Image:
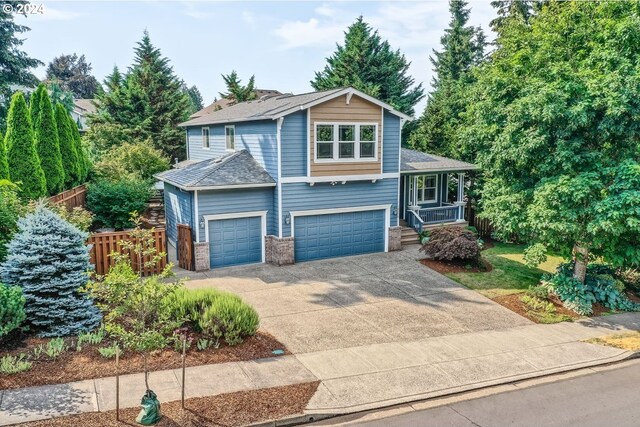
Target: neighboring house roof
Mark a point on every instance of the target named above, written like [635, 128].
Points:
[412, 161]
[280, 106]
[84, 106]
[226, 102]
[235, 170]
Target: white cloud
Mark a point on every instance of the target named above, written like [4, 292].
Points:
[193, 10]
[309, 33]
[325, 10]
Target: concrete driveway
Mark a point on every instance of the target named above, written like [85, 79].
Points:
[358, 300]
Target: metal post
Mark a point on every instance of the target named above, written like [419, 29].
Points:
[117, 383]
[184, 354]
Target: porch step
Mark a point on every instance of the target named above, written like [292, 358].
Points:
[409, 236]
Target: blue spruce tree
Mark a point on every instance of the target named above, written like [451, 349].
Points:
[49, 260]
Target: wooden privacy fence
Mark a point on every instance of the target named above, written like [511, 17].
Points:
[483, 225]
[106, 243]
[185, 247]
[77, 196]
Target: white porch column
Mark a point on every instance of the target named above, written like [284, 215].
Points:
[460, 197]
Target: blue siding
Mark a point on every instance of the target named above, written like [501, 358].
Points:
[294, 144]
[231, 201]
[178, 210]
[258, 137]
[333, 235]
[440, 197]
[390, 143]
[302, 196]
[235, 241]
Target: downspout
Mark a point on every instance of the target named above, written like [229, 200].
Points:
[279, 184]
[195, 212]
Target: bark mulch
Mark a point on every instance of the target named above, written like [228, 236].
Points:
[75, 365]
[513, 303]
[231, 409]
[458, 266]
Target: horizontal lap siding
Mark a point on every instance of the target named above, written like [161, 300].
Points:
[178, 210]
[233, 201]
[337, 110]
[391, 143]
[294, 144]
[257, 137]
[302, 196]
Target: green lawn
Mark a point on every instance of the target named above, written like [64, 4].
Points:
[510, 274]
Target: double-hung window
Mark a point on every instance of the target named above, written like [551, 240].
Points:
[230, 137]
[426, 188]
[205, 137]
[346, 141]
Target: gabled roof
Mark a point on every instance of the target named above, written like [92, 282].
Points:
[412, 161]
[280, 106]
[234, 170]
[226, 102]
[84, 106]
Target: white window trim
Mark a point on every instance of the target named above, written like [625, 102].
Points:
[226, 141]
[336, 142]
[416, 190]
[385, 208]
[208, 146]
[261, 214]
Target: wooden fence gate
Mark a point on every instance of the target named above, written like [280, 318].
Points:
[185, 247]
[103, 244]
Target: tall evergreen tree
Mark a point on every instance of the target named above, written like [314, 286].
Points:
[511, 9]
[22, 157]
[34, 104]
[49, 259]
[462, 49]
[67, 147]
[73, 74]
[15, 64]
[4, 166]
[83, 161]
[149, 101]
[48, 145]
[196, 98]
[369, 64]
[236, 91]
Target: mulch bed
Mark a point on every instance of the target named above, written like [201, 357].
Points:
[513, 303]
[75, 365]
[231, 409]
[457, 266]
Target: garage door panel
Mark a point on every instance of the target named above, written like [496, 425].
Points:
[334, 235]
[235, 241]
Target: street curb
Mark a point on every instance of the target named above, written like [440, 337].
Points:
[337, 412]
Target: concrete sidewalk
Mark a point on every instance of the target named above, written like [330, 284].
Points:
[38, 403]
[355, 378]
[375, 376]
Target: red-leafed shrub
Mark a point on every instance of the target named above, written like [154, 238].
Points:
[450, 243]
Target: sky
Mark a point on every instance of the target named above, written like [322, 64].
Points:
[282, 43]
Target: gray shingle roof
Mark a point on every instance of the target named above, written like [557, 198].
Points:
[258, 109]
[224, 102]
[417, 161]
[235, 169]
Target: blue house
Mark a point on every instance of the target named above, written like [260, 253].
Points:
[290, 178]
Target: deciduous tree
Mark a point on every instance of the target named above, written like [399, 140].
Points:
[73, 74]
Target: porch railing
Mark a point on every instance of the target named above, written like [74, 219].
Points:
[439, 215]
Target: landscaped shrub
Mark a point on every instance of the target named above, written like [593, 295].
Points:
[10, 365]
[10, 210]
[113, 202]
[630, 277]
[11, 309]
[448, 243]
[217, 314]
[600, 286]
[139, 161]
[49, 259]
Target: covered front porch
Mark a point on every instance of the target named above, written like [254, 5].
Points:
[432, 190]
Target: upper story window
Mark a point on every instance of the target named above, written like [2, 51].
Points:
[205, 137]
[346, 141]
[230, 137]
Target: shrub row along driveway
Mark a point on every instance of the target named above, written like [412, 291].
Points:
[366, 299]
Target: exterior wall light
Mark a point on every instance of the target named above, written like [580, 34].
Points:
[287, 219]
[394, 209]
[202, 221]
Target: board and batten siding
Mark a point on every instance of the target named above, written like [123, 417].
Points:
[337, 110]
[258, 137]
[302, 196]
[391, 143]
[178, 210]
[237, 201]
[294, 144]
